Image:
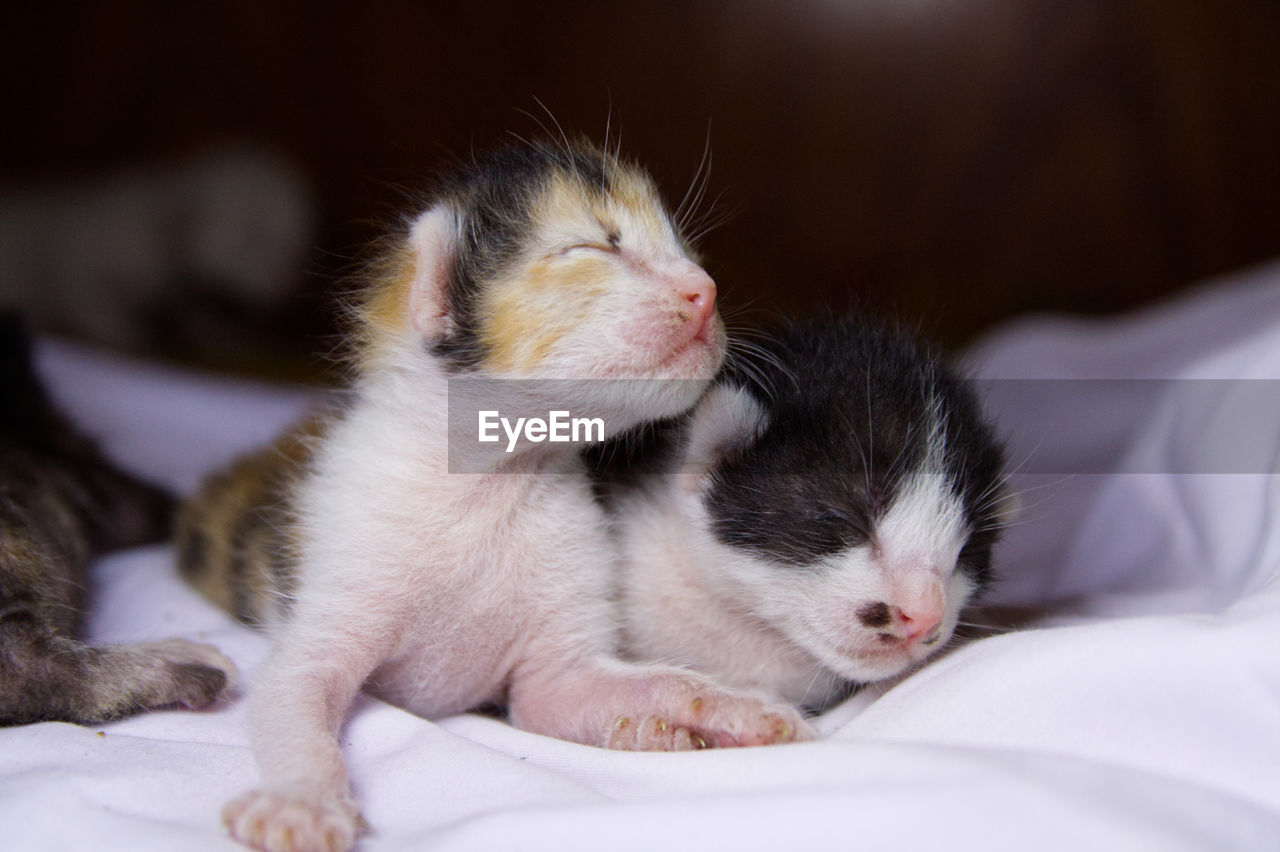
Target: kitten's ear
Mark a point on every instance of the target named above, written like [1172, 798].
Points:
[728, 418]
[431, 245]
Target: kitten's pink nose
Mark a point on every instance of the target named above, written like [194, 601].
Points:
[918, 601]
[918, 621]
[698, 290]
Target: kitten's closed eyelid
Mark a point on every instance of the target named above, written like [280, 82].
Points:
[850, 531]
[835, 516]
[607, 248]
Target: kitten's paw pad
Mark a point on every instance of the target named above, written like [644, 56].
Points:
[653, 733]
[726, 722]
[200, 674]
[779, 725]
[292, 822]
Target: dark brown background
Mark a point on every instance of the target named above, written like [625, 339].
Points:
[947, 162]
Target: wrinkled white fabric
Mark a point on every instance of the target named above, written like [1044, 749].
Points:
[1138, 708]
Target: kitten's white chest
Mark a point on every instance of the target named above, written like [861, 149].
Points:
[474, 566]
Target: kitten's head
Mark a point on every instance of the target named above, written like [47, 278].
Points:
[850, 491]
[552, 262]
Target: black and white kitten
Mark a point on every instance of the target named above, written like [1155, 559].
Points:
[829, 508]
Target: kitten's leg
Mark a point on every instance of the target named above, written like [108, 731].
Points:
[605, 702]
[296, 713]
[45, 673]
[47, 676]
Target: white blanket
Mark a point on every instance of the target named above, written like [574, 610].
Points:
[1140, 709]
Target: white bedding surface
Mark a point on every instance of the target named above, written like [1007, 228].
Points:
[1139, 710]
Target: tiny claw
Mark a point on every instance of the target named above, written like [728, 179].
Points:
[662, 725]
[695, 705]
[621, 723]
[698, 742]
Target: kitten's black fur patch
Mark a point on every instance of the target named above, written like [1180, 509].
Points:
[849, 406]
[875, 615]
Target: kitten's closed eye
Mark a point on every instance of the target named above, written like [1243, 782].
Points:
[837, 524]
[611, 243]
[578, 247]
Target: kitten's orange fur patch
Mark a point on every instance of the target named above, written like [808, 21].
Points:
[385, 310]
[638, 196]
[529, 314]
[387, 306]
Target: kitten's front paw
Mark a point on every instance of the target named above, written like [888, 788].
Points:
[727, 721]
[653, 733]
[197, 674]
[711, 720]
[293, 821]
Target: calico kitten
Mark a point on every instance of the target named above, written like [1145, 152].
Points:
[817, 522]
[548, 273]
[61, 504]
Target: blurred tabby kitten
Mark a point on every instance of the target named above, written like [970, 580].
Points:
[61, 504]
[187, 253]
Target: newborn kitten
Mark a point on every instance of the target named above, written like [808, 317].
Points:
[61, 504]
[827, 511]
[446, 591]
